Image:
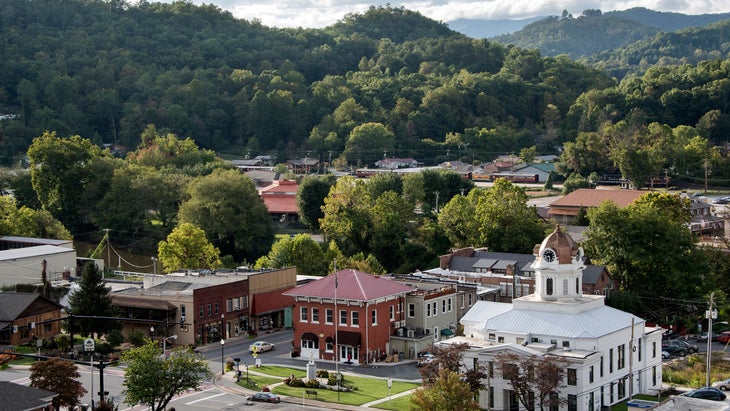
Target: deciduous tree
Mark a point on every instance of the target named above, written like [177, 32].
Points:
[310, 198]
[59, 376]
[187, 247]
[447, 393]
[301, 252]
[534, 375]
[151, 379]
[227, 207]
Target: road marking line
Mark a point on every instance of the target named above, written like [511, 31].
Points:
[206, 398]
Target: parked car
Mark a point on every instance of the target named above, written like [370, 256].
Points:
[674, 349]
[261, 346]
[722, 385]
[691, 348]
[665, 355]
[425, 359]
[724, 337]
[265, 397]
[703, 336]
[706, 393]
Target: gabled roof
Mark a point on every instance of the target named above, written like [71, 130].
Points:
[12, 304]
[18, 397]
[584, 197]
[351, 285]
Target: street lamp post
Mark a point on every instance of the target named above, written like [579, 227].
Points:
[223, 369]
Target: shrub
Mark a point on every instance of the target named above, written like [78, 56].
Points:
[136, 338]
[323, 374]
[229, 363]
[295, 382]
[313, 383]
[115, 338]
[332, 379]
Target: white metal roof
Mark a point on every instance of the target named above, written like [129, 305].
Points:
[503, 317]
[36, 251]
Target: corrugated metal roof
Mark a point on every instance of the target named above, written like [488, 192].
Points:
[351, 285]
[588, 324]
[27, 252]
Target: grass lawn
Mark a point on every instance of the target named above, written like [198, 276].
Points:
[368, 389]
[257, 381]
[396, 404]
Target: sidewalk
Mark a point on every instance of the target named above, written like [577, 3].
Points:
[227, 382]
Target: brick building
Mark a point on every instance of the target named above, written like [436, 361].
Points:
[349, 315]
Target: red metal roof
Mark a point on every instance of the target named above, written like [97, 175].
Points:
[276, 204]
[270, 302]
[351, 285]
[584, 197]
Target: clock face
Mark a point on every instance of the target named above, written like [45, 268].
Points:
[548, 255]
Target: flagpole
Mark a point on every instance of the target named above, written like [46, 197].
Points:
[336, 320]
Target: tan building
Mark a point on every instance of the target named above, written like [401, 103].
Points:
[26, 317]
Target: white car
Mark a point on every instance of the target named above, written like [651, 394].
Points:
[723, 385]
[261, 346]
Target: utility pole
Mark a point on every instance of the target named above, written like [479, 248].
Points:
[710, 314]
[707, 171]
[436, 193]
[108, 250]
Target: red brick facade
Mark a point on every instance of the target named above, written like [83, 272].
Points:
[220, 311]
[357, 327]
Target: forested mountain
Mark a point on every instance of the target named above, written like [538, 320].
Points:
[594, 31]
[106, 69]
[688, 46]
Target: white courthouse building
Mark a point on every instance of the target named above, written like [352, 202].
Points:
[611, 354]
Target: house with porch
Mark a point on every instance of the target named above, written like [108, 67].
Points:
[347, 316]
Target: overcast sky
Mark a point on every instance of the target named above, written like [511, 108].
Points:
[321, 13]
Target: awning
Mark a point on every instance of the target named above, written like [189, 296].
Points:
[446, 331]
[310, 337]
[348, 338]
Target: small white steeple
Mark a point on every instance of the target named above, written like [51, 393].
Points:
[558, 268]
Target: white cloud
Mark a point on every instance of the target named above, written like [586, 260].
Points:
[321, 13]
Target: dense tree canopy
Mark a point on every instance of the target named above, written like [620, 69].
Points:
[227, 207]
[498, 218]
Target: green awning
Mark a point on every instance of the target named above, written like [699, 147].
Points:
[447, 331]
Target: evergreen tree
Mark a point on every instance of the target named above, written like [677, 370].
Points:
[92, 299]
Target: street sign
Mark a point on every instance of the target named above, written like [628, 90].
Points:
[89, 344]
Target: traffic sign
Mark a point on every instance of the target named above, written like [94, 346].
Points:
[89, 344]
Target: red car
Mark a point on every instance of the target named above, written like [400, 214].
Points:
[724, 337]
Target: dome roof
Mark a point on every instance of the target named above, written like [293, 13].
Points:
[564, 246]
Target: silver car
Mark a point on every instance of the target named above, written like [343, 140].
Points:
[722, 385]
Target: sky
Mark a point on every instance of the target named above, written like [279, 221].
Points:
[322, 13]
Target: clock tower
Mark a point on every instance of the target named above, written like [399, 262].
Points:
[558, 268]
